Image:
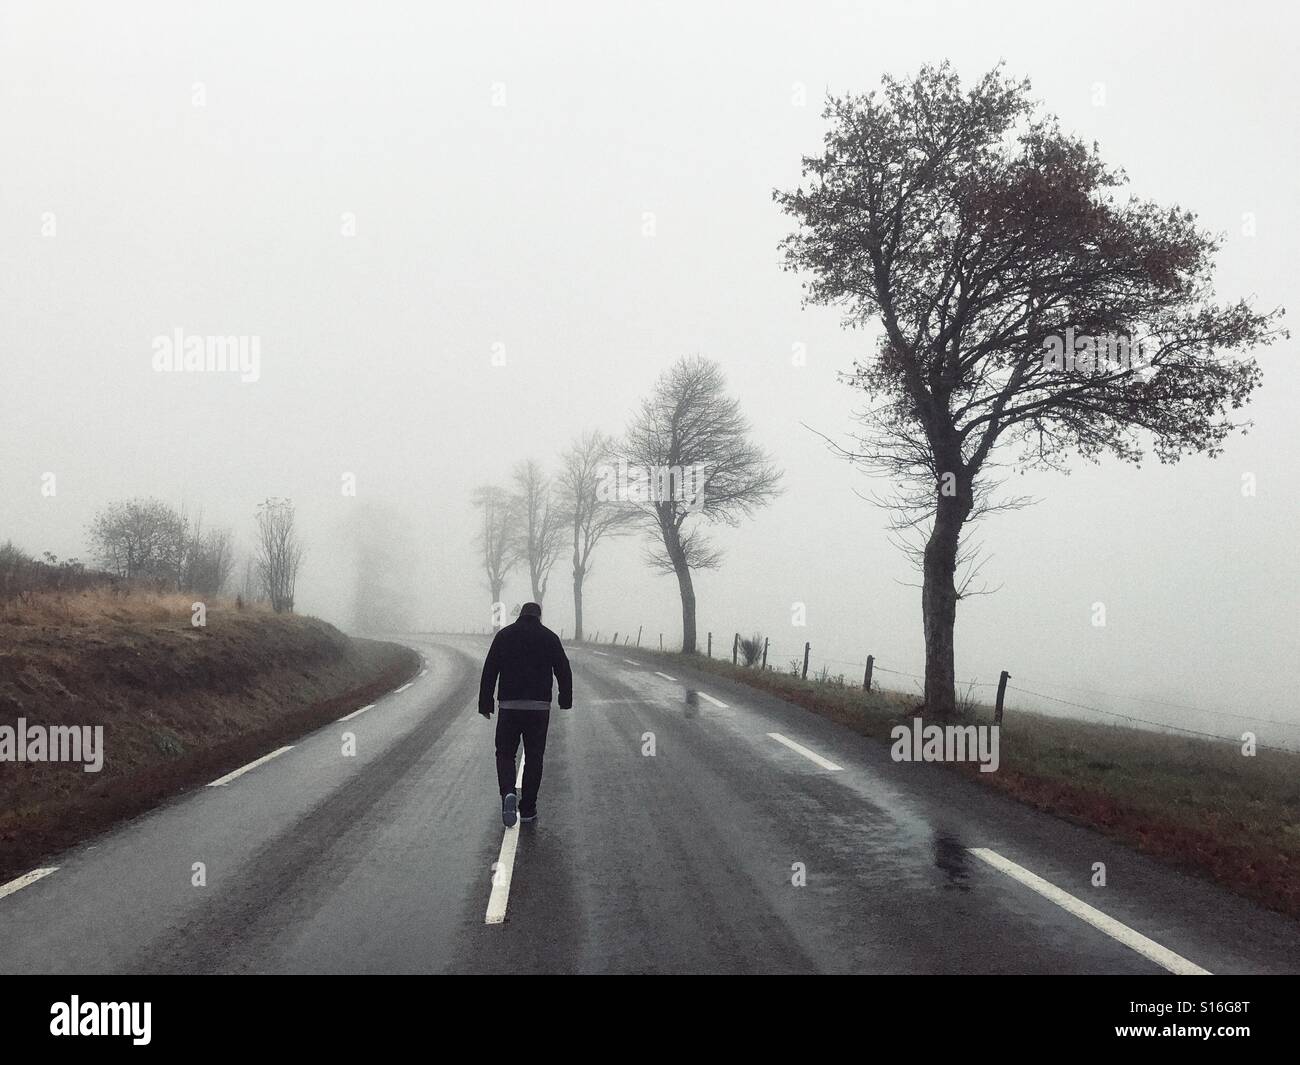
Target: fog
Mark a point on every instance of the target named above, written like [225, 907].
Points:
[389, 195]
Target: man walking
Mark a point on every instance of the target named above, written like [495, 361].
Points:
[523, 655]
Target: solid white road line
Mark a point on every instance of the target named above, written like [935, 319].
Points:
[812, 756]
[715, 702]
[1148, 948]
[423, 672]
[357, 713]
[402, 688]
[505, 867]
[664, 675]
[630, 662]
[251, 765]
[601, 653]
[24, 880]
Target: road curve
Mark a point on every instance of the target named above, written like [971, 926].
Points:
[688, 824]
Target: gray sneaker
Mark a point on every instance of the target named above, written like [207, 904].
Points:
[509, 809]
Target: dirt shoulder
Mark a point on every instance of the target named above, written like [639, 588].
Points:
[179, 705]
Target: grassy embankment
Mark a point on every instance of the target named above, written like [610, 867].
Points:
[1197, 804]
[180, 705]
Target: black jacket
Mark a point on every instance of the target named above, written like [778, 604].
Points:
[524, 655]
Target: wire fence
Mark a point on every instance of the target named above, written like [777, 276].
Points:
[1284, 735]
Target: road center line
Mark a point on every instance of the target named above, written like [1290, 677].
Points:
[710, 698]
[357, 713]
[1148, 948]
[812, 756]
[664, 675]
[25, 880]
[601, 653]
[402, 688]
[222, 781]
[630, 662]
[505, 867]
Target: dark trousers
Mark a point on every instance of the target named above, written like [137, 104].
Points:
[531, 726]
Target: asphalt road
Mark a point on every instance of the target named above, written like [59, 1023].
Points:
[684, 860]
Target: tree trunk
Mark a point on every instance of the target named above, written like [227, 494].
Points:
[673, 548]
[688, 607]
[497, 587]
[577, 604]
[939, 603]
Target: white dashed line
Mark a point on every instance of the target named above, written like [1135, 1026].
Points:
[402, 688]
[423, 672]
[664, 675]
[630, 662]
[24, 880]
[251, 765]
[357, 713]
[1148, 948]
[601, 653]
[505, 867]
[715, 702]
[812, 756]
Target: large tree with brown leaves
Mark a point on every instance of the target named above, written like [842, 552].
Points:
[980, 238]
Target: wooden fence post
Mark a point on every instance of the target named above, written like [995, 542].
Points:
[661, 643]
[806, 648]
[735, 645]
[1002, 691]
[710, 645]
[614, 641]
[638, 634]
[764, 652]
[866, 679]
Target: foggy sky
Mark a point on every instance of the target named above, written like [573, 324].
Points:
[523, 225]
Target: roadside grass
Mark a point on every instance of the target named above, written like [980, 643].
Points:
[1197, 804]
[179, 705]
[94, 606]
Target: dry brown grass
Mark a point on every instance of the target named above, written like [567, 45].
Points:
[179, 705]
[108, 604]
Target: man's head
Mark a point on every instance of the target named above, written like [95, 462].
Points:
[531, 610]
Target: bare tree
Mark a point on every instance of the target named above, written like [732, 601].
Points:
[137, 539]
[540, 525]
[207, 558]
[690, 462]
[279, 552]
[984, 241]
[250, 588]
[496, 538]
[585, 466]
[386, 586]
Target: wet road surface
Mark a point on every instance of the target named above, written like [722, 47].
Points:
[688, 824]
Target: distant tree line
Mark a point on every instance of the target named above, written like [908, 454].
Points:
[685, 461]
[23, 575]
[146, 542]
[149, 541]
